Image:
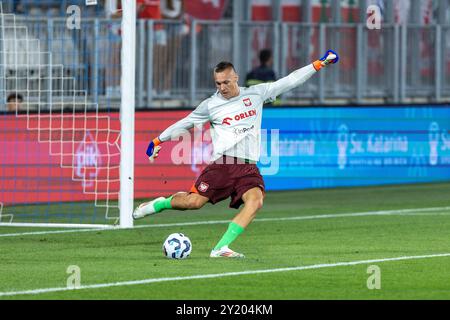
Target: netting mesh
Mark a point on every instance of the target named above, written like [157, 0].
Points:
[82, 142]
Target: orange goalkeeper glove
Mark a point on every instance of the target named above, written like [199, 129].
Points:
[153, 149]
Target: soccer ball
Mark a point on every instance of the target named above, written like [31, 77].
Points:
[177, 246]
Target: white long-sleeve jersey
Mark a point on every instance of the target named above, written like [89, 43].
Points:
[236, 122]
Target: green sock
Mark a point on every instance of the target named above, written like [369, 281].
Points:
[233, 231]
[163, 204]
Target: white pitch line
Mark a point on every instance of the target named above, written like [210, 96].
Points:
[217, 275]
[197, 223]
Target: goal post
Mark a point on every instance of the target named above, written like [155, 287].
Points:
[126, 200]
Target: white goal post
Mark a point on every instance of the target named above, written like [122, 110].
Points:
[127, 113]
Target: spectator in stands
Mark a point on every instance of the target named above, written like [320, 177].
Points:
[18, 7]
[165, 48]
[145, 9]
[264, 72]
[151, 9]
[172, 10]
[14, 102]
[112, 49]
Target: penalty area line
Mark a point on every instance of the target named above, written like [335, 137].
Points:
[218, 275]
[197, 223]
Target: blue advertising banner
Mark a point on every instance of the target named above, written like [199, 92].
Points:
[354, 146]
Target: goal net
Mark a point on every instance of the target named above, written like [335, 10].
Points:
[60, 125]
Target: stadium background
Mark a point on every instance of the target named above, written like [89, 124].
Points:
[378, 117]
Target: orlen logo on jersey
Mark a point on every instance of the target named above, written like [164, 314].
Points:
[244, 115]
[226, 121]
[240, 116]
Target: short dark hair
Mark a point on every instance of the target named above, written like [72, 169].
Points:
[14, 96]
[265, 55]
[224, 65]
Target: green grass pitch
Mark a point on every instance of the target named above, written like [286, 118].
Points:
[40, 261]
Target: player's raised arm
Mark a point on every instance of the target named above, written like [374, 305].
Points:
[197, 117]
[298, 77]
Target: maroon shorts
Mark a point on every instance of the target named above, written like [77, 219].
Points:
[226, 178]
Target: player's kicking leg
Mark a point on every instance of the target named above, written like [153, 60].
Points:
[253, 201]
[178, 201]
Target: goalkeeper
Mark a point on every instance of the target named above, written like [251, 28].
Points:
[235, 115]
